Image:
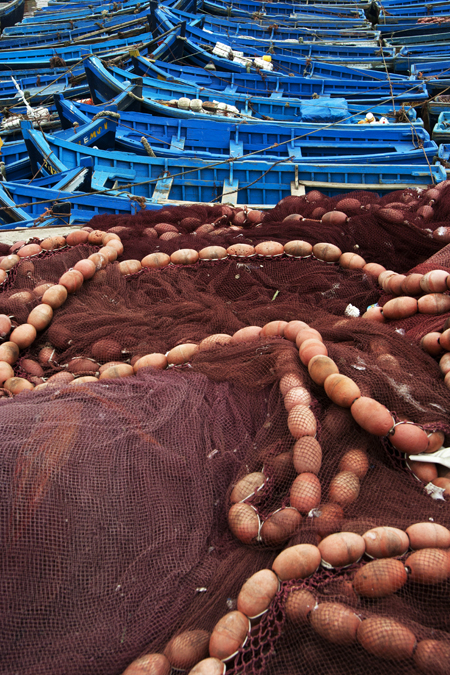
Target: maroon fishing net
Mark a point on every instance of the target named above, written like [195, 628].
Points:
[115, 495]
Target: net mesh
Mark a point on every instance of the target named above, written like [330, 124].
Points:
[115, 495]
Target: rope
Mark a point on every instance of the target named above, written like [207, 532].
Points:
[388, 77]
[44, 216]
[148, 147]
[420, 145]
[106, 113]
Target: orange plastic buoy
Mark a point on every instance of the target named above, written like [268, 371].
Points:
[386, 639]
[372, 416]
[244, 522]
[257, 593]
[335, 622]
[150, 664]
[182, 353]
[320, 366]
[297, 562]
[341, 389]
[228, 635]
[409, 438]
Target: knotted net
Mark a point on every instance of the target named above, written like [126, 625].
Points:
[115, 495]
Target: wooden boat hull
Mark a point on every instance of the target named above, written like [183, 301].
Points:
[49, 27]
[167, 137]
[37, 58]
[199, 46]
[100, 133]
[237, 181]
[67, 208]
[441, 130]
[339, 53]
[269, 31]
[11, 13]
[89, 34]
[271, 85]
[158, 97]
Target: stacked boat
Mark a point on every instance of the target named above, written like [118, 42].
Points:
[112, 107]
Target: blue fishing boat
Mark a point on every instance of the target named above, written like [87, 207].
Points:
[200, 46]
[336, 53]
[14, 154]
[52, 14]
[15, 157]
[37, 58]
[89, 23]
[408, 119]
[435, 74]
[64, 79]
[86, 35]
[439, 69]
[415, 57]
[174, 138]
[434, 107]
[51, 6]
[34, 59]
[412, 3]
[441, 130]
[29, 78]
[413, 10]
[189, 102]
[267, 31]
[399, 28]
[425, 38]
[339, 55]
[22, 204]
[46, 118]
[279, 86]
[10, 125]
[93, 11]
[444, 157]
[68, 4]
[11, 13]
[341, 11]
[248, 8]
[238, 181]
[42, 95]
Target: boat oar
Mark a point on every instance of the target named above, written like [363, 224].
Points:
[145, 44]
[110, 29]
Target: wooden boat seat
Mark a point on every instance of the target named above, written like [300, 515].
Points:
[101, 178]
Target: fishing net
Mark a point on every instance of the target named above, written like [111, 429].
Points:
[115, 495]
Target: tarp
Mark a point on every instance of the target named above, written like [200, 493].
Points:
[324, 110]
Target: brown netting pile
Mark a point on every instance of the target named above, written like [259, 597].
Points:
[115, 495]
